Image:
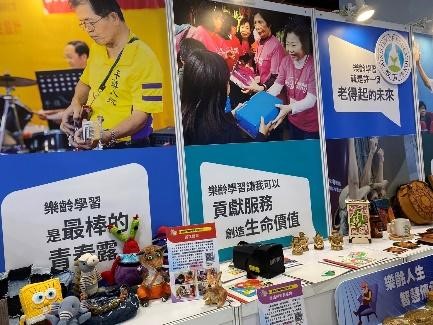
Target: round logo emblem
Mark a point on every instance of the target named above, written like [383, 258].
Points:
[393, 58]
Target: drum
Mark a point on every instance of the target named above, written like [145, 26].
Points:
[10, 145]
[49, 141]
[24, 115]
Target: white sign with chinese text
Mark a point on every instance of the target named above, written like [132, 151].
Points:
[53, 224]
[254, 205]
[357, 84]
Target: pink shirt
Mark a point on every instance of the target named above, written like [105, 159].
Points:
[298, 83]
[268, 57]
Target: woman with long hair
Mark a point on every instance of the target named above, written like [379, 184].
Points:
[204, 98]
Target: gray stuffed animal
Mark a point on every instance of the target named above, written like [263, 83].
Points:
[68, 312]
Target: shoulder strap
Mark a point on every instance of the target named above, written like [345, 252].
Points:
[102, 86]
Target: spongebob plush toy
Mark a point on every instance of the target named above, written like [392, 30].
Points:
[36, 299]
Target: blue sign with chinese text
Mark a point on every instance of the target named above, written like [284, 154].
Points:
[357, 100]
[391, 292]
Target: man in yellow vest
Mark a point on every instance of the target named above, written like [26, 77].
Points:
[122, 81]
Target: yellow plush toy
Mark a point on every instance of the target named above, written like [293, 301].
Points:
[36, 299]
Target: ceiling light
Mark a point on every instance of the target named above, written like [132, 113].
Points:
[364, 12]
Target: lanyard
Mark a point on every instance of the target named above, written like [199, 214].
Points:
[104, 82]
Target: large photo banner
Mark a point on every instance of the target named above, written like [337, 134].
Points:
[423, 56]
[87, 140]
[382, 295]
[250, 121]
[369, 115]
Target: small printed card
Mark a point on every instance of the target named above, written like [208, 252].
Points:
[316, 272]
[230, 273]
[282, 304]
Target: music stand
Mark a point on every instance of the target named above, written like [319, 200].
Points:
[56, 87]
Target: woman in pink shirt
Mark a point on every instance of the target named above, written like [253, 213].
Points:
[268, 56]
[296, 72]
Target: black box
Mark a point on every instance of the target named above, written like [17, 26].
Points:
[265, 260]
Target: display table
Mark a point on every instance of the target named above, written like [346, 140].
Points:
[193, 312]
[319, 297]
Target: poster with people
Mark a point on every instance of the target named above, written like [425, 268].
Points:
[85, 63]
[369, 114]
[85, 174]
[369, 168]
[423, 55]
[250, 122]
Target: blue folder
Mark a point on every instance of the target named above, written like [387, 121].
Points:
[261, 104]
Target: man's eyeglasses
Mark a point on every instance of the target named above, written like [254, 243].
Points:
[89, 25]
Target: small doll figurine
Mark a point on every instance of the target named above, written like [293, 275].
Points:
[215, 294]
[304, 241]
[87, 276]
[318, 242]
[155, 283]
[336, 240]
[297, 246]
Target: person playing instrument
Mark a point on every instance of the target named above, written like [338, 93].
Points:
[122, 82]
[76, 54]
[367, 296]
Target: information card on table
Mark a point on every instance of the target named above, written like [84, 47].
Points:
[193, 260]
[282, 304]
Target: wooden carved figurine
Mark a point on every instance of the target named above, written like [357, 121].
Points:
[336, 240]
[297, 246]
[358, 216]
[304, 241]
[318, 242]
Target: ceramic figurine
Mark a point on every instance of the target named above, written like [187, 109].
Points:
[215, 294]
[304, 241]
[336, 240]
[318, 242]
[297, 246]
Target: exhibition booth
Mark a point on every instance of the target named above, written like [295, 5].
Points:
[213, 162]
